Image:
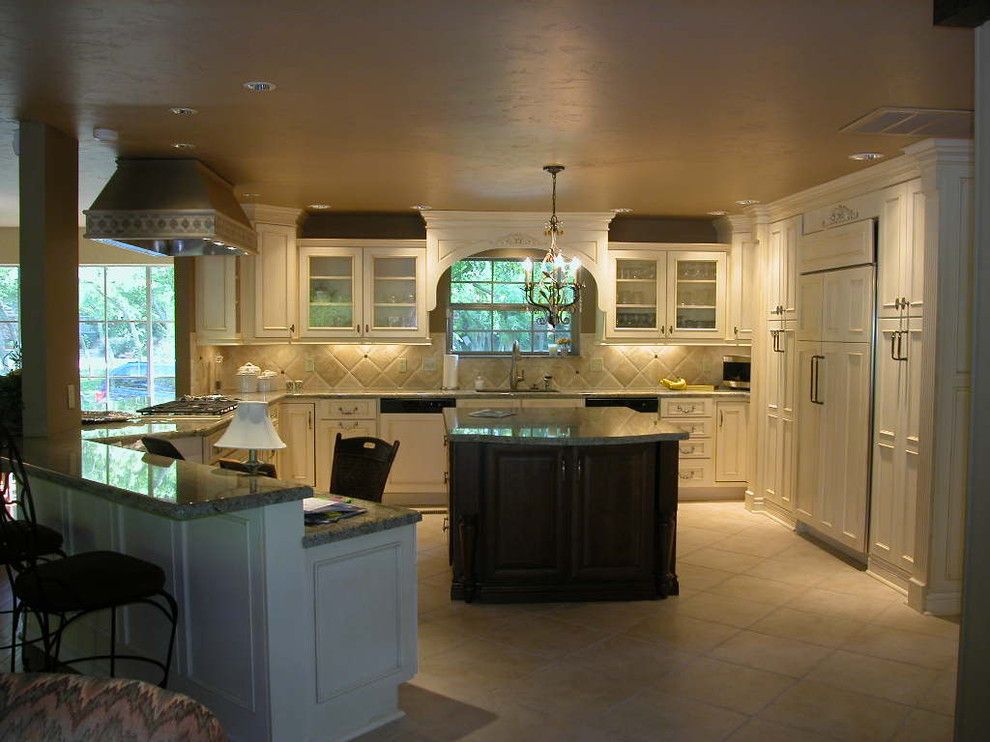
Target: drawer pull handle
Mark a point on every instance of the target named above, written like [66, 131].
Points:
[685, 475]
[352, 411]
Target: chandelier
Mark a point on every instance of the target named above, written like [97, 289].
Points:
[551, 285]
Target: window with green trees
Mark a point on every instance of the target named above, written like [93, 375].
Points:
[488, 311]
[126, 333]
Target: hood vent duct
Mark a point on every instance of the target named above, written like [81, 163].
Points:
[175, 208]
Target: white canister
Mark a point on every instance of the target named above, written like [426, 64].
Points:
[247, 378]
[266, 381]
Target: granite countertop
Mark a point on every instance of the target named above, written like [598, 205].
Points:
[273, 397]
[179, 490]
[160, 427]
[378, 518]
[561, 426]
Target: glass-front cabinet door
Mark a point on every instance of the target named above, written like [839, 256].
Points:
[695, 295]
[394, 303]
[638, 283]
[330, 299]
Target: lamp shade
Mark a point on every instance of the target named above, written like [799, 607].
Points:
[250, 428]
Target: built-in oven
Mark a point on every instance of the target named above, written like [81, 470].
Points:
[735, 372]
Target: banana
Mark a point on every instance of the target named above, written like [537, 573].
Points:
[674, 384]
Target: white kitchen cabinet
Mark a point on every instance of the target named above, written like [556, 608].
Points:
[217, 304]
[658, 295]
[731, 441]
[326, 439]
[901, 251]
[297, 462]
[781, 272]
[743, 302]
[777, 448]
[896, 444]
[273, 276]
[372, 289]
[419, 472]
[834, 439]
[837, 306]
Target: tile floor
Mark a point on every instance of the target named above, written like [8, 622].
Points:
[771, 638]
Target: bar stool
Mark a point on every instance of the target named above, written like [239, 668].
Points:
[161, 447]
[361, 466]
[64, 590]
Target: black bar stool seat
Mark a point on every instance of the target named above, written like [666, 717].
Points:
[87, 582]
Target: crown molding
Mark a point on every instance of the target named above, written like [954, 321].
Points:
[266, 214]
[515, 219]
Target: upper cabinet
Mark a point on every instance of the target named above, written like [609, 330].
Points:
[217, 306]
[781, 276]
[362, 288]
[662, 294]
[273, 276]
[901, 251]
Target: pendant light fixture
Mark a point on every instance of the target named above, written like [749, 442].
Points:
[548, 285]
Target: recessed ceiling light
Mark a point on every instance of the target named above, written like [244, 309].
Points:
[105, 135]
[717, 212]
[183, 111]
[622, 210]
[318, 207]
[184, 145]
[259, 86]
[747, 201]
[866, 156]
[421, 207]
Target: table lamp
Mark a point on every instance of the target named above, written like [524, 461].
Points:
[251, 429]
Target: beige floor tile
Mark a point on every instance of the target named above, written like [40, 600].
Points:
[625, 658]
[837, 713]
[725, 609]
[895, 681]
[726, 561]
[843, 605]
[904, 646]
[682, 632]
[925, 726]
[724, 684]
[608, 617]
[757, 730]
[900, 616]
[781, 571]
[478, 665]
[760, 543]
[827, 631]
[941, 696]
[690, 538]
[435, 637]
[759, 589]
[541, 635]
[774, 653]
[693, 577]
[855, 582]
[653, 715]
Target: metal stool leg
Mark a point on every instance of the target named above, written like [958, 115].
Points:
[113, 642]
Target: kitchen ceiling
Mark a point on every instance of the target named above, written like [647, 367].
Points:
[673, 108]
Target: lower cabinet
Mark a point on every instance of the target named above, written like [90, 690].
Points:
[419, 472]
[297, 461]
[712, 462]
[731, 436]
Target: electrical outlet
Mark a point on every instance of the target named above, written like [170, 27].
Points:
[430, 364]
[403, 365]
[310, 364]
[596, 366]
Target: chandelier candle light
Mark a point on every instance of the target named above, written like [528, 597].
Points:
[549, 289]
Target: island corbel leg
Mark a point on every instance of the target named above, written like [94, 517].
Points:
[666, 576]
[468, 532]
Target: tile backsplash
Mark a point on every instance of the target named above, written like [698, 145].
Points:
[378, 366]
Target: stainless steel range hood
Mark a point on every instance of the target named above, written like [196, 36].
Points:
[170, 207]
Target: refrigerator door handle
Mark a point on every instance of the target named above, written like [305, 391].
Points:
[900, 340]
[894, 339]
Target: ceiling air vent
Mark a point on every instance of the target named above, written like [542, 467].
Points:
[914, 122]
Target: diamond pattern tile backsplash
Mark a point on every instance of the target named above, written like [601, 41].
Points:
[378, 366]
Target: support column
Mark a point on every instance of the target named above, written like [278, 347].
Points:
[49, 268]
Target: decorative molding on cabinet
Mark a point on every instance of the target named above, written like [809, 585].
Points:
[265, 214]
[840, 214]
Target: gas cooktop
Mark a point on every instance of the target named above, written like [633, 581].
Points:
[211, 404]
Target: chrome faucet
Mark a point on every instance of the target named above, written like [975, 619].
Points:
[516, 374]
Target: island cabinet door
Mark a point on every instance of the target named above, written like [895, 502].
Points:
[613, 513]
[524, 511]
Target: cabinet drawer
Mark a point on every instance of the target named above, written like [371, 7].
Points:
[695, 449]
[701, 428]
[695, 472]
[343, 409]
[690, 407]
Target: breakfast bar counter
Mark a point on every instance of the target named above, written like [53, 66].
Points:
[286, 632]
[562, 504]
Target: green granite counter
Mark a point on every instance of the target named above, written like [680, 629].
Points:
[563, 427]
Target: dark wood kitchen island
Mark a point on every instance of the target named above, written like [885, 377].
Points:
[562, 504]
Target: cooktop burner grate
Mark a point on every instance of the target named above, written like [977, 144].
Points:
[213, 404]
